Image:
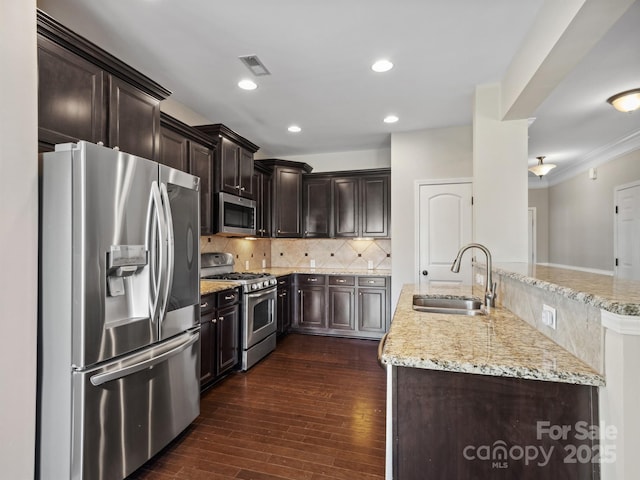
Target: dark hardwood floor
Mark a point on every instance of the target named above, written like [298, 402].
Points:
[312, 410]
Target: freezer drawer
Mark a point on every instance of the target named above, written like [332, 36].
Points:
[127, 411]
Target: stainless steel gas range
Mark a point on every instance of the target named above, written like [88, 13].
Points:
[258, 307]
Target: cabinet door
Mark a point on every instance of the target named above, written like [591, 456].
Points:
[316, 202]
[374, 209]
[312, 309]
[372, 309]
[134, 120]
[174, 150]
[227, 338]
[262, 191]
[201, 165]
[287, 192]
[342, 309]
[207, 345]
[229, 160]
[245, 174]
[345, 207]
[283, 311]
[71, 101]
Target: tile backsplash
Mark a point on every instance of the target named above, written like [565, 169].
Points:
[294, 252]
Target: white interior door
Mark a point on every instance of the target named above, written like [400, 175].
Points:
[444, 227]
[627, 231]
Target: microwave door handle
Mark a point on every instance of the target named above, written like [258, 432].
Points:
[158, 355]
[169, 246]
[155, 226]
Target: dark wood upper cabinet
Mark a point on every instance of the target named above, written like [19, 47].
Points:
[174, 149]
[317, 211]
[134, 120]
[233, 161]
[71, 102]
[85, 93]
[347, 204]
[187, 148]
[375, 206]
[286, 196]
[262, 190]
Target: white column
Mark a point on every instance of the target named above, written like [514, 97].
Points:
[499, 178]
[619, 411]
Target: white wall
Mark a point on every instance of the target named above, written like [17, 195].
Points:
[339, 161]
[183, 113]
[18, 236]
[499, 178]
[442, 153]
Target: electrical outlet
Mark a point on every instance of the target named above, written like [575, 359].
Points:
[312, 263]
[479, 279]
[549, 316]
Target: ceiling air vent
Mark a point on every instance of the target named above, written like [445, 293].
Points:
[254, 64]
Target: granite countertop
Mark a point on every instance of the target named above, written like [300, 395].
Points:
[212, 286]
[607, 292]
[497, 344]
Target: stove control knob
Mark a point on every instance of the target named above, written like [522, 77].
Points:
[273, 281]
[254, 286]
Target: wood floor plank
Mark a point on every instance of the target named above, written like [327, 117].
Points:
[314, 409]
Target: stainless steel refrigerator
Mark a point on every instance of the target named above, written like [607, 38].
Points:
[119, 344]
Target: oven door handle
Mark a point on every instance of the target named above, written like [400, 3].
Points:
[262, 293]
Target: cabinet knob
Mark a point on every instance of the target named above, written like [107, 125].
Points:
[242, 189]
[278, 230]
[221, 319]
[116, 148]
[237, 187]
[213, 320]
[101, 143]
[425, 272]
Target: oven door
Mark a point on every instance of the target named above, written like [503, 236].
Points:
[260, 315]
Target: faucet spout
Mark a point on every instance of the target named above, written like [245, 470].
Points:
[490, 290]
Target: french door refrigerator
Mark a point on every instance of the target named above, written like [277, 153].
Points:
[119, 349]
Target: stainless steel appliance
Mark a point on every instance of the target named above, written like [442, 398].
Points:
[258, 307]
[119, 323]
[236, 215]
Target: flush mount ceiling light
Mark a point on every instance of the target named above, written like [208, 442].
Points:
[247, 84]
[542, 168]
[382, 66]
[294, 129]
[390, 119]
[626, 101]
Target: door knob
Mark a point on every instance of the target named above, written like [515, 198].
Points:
[425, 272]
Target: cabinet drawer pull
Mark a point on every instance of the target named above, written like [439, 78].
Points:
[204, 305]
[371, 281]
[229, 297]
[340, 280]
[312, 279]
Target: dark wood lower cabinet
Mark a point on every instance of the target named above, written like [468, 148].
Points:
[219, 335]
[464, 426]
[283, 304]
[342, 305]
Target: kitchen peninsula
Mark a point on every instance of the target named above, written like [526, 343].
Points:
[502, 379]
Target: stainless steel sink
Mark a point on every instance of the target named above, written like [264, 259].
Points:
[453, 306]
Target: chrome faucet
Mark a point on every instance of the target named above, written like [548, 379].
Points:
[490, 291]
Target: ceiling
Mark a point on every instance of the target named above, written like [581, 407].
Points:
[319, 55]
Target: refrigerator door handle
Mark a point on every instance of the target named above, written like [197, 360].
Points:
[168, 271]
[146, 360]
[155, 225]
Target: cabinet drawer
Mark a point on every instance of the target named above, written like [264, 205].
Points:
[372, 281]
[306, 279]
[207, 304]
[228, 297]
[342, 280]
[283, 282]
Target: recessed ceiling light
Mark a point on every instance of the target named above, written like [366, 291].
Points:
[391, 119]
[382, 66]
[294, 129]
[247, 84]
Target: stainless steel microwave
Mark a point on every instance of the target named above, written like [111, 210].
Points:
[236, 215]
